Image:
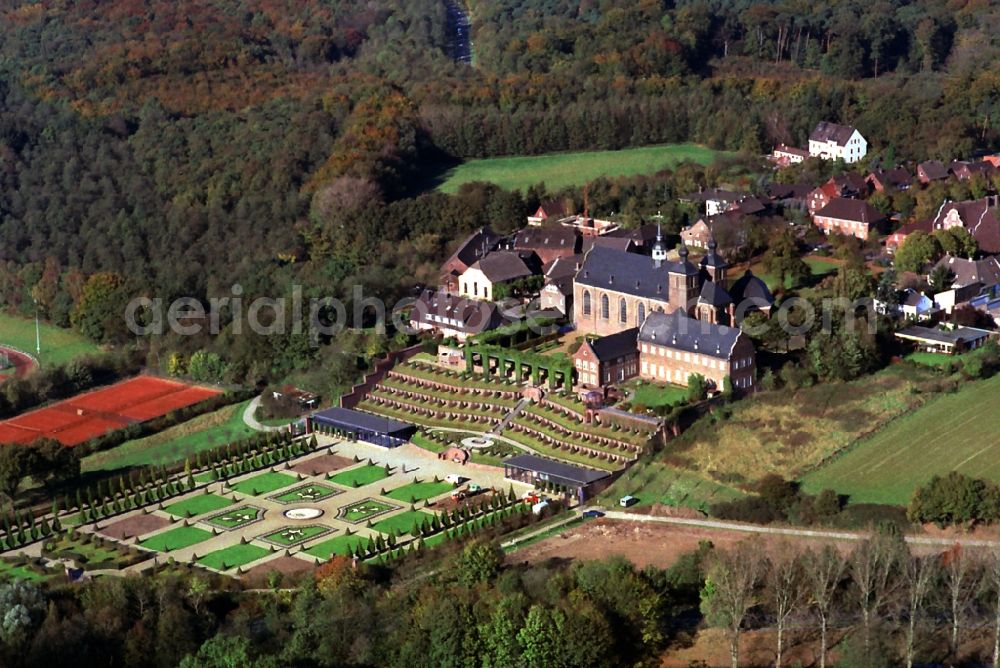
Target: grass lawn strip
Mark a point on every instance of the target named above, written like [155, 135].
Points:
[341, 545]
[364, 510]
[422, 420]
[451, 395]
[264, 483]
[294, 535]
[471, 382]
[419, 491]
[654, 395]
[360, 476]
[403, 523]
[198, 505]
[306, 494]
[555, 453]
[175, 539]
[233, 556]
[236, 518]
[59, 345]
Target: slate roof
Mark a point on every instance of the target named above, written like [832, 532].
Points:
[547, 236]
[712, 257]
[471, 248]
[613, 346]
[629, 273]
[457, 312]
[714, 295]
[752, 287]
[681, 332]
[713, 194]
[893, 178]
[967, 272]
[500, 266]
[826, 131]
[359, 420]
[549, 467]
[844, 208]
[563, 267]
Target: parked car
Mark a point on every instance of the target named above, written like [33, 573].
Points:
[593, 513]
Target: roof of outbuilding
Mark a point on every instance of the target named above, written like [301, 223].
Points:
[749, 286]
[360, 420]
[473, 315]
[502, 266]
[547, 236]
[967, 272]
[550, 467]
[682, 332]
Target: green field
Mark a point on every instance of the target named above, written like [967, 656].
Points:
[306, 493]
[558, 170]
[655, 483]
[653, 395]
[363, 510]
[932, 359]
[405, 522]
[176, 539]
[418, 491]
[289, 536]
[265, 483]
[176, 443]
[198, 505]
[952, 432]
[58, 345]
[342, 545]
[358, 477]
[233, 556]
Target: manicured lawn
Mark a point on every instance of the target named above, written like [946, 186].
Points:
[342, 545]
[176, 443]
[558, 170]
[198, 505]
[265, 483]
[363, 510]
[418, 491]
[405, 522]
[952, 432]
[360, 476]
[58, 345]
[288, 536]
[233, 556]
[176, 539]
[654, 395]
[236, 517]
[9, 571]
[306, 493]
[932, 359]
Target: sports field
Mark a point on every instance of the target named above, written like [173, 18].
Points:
[953, 432]
[176, 539]
[176, 443]
[58, 345]
[558, 170]
[363, 475]
[233, 556]
[418, 491]
[198, 505]
[264, 483]
[405, 522]
[98, 412]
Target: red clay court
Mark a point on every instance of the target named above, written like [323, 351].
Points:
[95, 413]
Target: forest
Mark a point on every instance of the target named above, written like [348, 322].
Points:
[178, 148]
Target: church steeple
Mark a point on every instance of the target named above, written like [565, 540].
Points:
[659, 249]
[713, 264]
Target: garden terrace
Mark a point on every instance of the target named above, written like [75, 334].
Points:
[563, 451]
[456, 405]
[436, 377]
[599, 445]
[577, 426]
[427, 415]
[426, 390]
[568, 405]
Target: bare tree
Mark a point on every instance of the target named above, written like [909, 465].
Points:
[824, 572]
[918, 576]
[873, 567]
[785, 587]
[961, 579]
[733, 577]
[993, 581]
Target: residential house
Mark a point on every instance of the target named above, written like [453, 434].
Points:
[788, 155]
[674, 346]
[479, 280]
[832, 141]
[552, 210]
[966, 169]
[889, 179]
[843, 185]
[932, 170]
[451, 315]
[949, 342]
[557, 294]
[911, 305]
[469, 251]
[727, 229]
[896, 239]
[980, 217]
[548, 242]
[851, 217]
[607, 360]
[985, 272]
[789, 194]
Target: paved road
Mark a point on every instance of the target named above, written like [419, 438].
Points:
[250, 417]
[783, 531]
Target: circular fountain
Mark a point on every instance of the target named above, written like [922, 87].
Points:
[303, 513]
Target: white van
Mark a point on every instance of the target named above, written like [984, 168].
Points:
[627, 501]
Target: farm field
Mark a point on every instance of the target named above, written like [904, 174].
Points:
[198, 505]
[59, 345]
[558, 170]
[176, 539]
[952, 432]
[787, 432]
[97, 412]
[198, 434]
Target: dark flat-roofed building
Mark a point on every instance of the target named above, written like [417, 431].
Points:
[945, 341]
[362, 426]
[534, 470]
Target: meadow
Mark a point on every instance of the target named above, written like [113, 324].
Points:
[952, 432]
[59, 345]
[559, 170]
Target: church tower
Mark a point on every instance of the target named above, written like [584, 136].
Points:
[685, 283]
[714, 266]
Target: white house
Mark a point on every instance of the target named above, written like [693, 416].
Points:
[831, 141]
